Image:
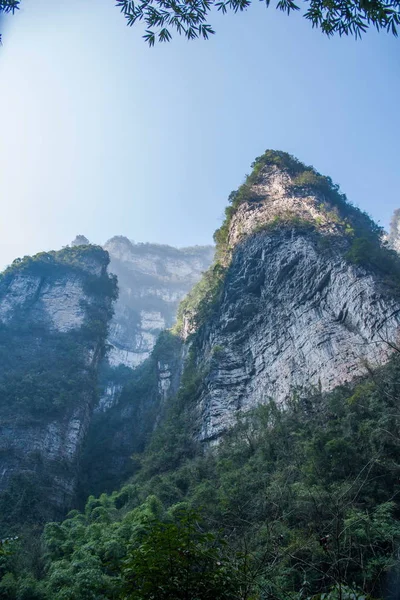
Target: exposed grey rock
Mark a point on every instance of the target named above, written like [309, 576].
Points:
[57, 303]
[292, 316]
[294, 312]
[278, 200]
[109, 397]
[394, 233]
[152, 280]
[40, 311]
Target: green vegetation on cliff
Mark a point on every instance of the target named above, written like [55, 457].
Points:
[198, 305]
[55, 261]
[292, 504]
[304, 180]
[41, 368]
[362, 236]
[48, 377]
[106, 459]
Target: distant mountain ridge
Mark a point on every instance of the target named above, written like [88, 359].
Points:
[152, 279]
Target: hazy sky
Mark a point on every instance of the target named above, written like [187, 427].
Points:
[101, 135]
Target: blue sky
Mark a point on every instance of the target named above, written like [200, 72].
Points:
[101, 135]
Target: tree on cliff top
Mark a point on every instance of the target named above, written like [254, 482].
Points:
[189, 17]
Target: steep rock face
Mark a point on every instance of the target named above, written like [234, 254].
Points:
[152, 280]
[292, 316]
[54, 311]
[394, 233]
[296, 309]
[272, 201]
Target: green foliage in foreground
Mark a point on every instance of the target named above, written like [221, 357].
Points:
[149, 553]
[294, 503]
[179, 560]
[344, 18]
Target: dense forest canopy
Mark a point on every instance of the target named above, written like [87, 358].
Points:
[295, 503]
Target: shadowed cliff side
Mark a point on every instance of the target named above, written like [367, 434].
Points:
[124, 429]
[54, 314]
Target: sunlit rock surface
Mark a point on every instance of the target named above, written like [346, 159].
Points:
[294, 313]
[291, 317]
[394, 233]
[152, 280]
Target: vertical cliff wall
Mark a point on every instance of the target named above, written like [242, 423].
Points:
[303, 294]
[54, 313]
[139, 373]
[152, 280]
[394, 231]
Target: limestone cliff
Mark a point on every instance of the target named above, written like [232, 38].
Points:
[303, 295]
[152, 279]
[394, 233]
[54, 312]
[137, 375]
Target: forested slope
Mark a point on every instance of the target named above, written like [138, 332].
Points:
[268, 465]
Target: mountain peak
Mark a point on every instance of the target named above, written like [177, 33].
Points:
[282, 191]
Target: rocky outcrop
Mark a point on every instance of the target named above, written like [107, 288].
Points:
[152, 280]
[295, 312]
[293, 316]
[54, 311]
[394, 232]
